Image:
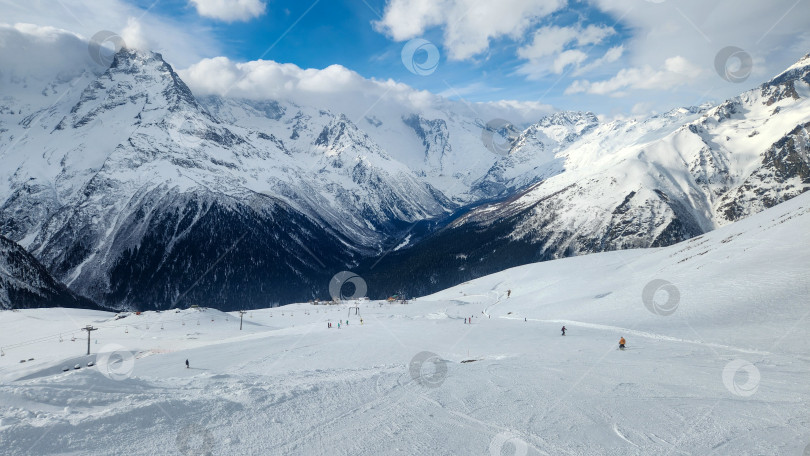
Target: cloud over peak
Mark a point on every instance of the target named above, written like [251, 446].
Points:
[469, 25]
[230, 10]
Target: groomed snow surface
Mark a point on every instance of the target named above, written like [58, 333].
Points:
[717, 362]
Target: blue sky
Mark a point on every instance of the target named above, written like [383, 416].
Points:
[614, 57]
[342, 32]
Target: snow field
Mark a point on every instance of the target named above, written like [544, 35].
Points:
[717, 363]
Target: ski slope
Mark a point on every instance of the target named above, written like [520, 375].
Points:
[718, 362]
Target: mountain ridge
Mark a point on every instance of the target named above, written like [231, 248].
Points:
[136, 160]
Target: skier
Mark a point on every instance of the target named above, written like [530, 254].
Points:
[508, 293]
[563, 330]
[524, 319]
[187, 364]
[621, 343]
[361, 322]
[338, 325]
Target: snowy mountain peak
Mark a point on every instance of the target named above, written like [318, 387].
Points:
[569, 118]
[137, 62]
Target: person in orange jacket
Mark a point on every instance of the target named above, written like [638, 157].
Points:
[621, 343]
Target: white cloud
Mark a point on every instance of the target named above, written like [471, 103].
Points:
[133, 35]
[676, 71]
[565, 58]
[230, 10]
[469, 25]
[50, 53]
[774, 33]
[552, 40]
[554, 48]
[181, 43]
[613, 54]
[336, 88]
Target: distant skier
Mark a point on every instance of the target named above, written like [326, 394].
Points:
[563, 330]
[524, 319]
[508, 293]
[621, 343]
[338, 325]
[187, 364]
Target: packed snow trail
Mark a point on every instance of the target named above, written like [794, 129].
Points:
[725, 373]
[648, 335]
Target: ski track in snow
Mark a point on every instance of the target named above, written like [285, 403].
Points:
[288, 385]
[648, 335]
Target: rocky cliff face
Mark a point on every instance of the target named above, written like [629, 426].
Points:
[26, 283]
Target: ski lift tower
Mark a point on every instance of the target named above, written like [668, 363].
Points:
[355, 307]
[89, 329]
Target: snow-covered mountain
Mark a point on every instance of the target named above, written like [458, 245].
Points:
[629, 184]
[135, 192]
[137, 170]
[25, 283]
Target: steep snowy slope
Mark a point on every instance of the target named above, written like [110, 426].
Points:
[716, 364]
[631, 185]
[102, 213]
[25, 283]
